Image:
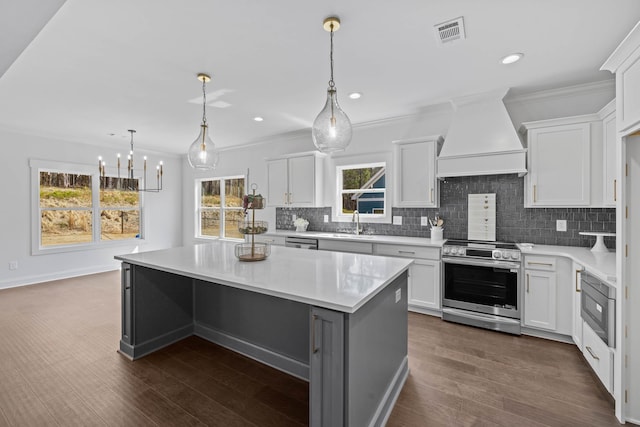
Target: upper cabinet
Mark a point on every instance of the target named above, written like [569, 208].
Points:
[571, 161]
[295, 180]
[415, 183]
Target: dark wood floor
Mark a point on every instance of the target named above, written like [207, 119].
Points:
[59, 366]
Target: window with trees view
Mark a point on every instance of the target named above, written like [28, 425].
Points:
[220, 207]
[362, 188]
[78, 208]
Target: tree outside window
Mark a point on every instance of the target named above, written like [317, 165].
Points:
[220, 207]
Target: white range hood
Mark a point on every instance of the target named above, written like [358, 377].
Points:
[481, 139]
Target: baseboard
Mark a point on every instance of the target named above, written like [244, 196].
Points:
[427, 311]
[278, 361]
[58, 275]
[385, 407]
[141, 350]
[547, 335]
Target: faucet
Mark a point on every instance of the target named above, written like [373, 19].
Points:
[356, 218]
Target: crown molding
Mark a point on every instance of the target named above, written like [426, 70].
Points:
[563, 92]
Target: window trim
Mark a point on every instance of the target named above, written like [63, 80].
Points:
[37, 166]
[338, 216]
[198, 217]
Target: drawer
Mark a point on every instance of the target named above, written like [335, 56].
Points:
[598, 355]
[540, 263]
[408, 251]
[339, 246]
[261, 238]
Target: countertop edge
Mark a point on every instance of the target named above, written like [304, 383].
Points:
[371, 238]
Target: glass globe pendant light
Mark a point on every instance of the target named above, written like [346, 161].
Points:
[202, 153]
[331, 130]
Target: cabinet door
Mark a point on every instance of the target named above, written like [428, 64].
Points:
[277, 189]
[302, 175]
[559, 165]
[540, 299]
[577, 318]
[424, 284]
[326, 368]
[610, 183]
[127, 301]
[415, 183]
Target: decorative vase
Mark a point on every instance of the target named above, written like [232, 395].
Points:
[301, 228]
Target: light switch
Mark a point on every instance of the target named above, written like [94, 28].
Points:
[397, 220]
[326, 218]
[424, 221]
[294, 216]
[398, 294]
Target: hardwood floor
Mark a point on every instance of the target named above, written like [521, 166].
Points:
[59, 366]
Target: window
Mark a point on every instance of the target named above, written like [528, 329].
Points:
[119, 208]
[66, 209]
[362, 188]
[73, 207]
[220, 207]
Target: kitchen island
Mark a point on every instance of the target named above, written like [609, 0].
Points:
[338, 320]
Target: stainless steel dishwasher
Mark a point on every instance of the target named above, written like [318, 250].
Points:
[301, 242]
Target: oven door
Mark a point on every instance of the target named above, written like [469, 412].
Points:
[484, 286]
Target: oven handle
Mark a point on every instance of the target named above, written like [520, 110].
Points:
[481, 263]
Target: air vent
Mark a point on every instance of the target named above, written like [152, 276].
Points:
[450, 31]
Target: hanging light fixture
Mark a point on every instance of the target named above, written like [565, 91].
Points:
[202, 153]
[331, 130]
[132, 185]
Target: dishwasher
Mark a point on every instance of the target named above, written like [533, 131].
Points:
[301, 242]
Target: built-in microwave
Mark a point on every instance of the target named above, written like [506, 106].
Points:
[598, 307]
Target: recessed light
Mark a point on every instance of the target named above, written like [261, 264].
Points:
[511, 58]
[258, 119]
[355, 95]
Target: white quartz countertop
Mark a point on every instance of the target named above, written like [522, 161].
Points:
[600, 264]
[373, 238]
[334, 280]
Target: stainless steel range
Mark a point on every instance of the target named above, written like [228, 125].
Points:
[481, 284]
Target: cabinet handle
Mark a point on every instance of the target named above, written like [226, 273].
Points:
[577, 282]
[290, 198]
[313, 334]
[534, 193]
[539, 263]
[407, 252]
[615, 190]
[432, 195]
[591, 353]
[527, 283]
[284, 198]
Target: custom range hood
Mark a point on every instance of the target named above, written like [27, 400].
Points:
[481, 139]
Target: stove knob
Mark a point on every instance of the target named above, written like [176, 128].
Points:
[514, 255]
[497, 254]
[445, 250]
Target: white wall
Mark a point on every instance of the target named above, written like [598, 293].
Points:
[162, 211]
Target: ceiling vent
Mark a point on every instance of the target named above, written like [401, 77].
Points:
[450, 31]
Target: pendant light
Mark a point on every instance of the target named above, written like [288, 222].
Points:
[202, 153]
[331, 130]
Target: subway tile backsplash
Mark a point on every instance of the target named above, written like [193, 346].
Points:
[514, 223]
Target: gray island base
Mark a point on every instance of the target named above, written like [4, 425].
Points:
[334, 319]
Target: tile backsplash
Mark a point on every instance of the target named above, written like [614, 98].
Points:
[514, 223]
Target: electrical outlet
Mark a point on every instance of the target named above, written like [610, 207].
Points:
[424, 221]
[13, 265]
[326, 218]
[398, 294]
[561, 225]
[293, 217]
[397, 220]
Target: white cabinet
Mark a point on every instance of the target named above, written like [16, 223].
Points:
[599, 356]
[267, 238]
[414, 163]
[540, 299]
[295, 180]
[559, 164]
[424, 275]
[610, 182]
[576, 332]
[345, 246]
[548, 294]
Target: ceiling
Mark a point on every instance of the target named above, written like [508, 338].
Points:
[98, 68]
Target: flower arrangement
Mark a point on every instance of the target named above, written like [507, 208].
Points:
[301, 224]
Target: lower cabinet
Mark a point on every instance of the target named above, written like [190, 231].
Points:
[549, 294]
[577, 318]
[424, 274]
[267, 238]
[598, 355]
